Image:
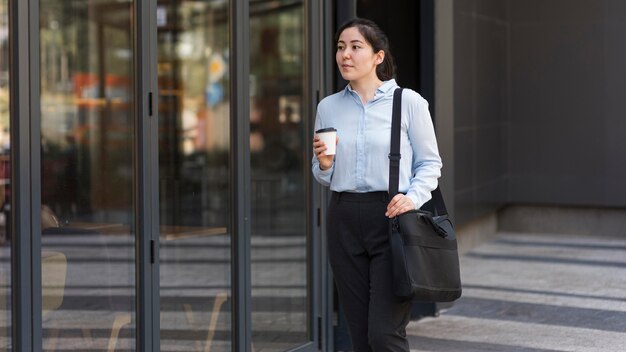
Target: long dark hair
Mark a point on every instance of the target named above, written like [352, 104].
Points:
[377, 39]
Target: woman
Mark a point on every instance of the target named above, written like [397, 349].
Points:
[358, 173]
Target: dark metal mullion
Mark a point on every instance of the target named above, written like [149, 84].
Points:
[144, 201]
[327, 84]
[310, 89]
[151, 61]
[19, 105]
[35, 173]
[239, 32]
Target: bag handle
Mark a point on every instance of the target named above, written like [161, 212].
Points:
[436, 204]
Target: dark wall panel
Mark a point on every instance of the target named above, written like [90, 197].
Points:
[481, 106]
[567, 93]
[615, 126]
[539, 106]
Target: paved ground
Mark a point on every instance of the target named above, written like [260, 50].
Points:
[535, 293]
[521, 293]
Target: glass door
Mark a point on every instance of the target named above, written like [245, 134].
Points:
[88, 173]
[194, 175]
[196, 179]
[280, 241]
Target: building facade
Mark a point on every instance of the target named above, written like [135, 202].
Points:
[154, 155]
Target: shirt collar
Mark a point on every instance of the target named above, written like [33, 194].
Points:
[384, 88]
[387, 86]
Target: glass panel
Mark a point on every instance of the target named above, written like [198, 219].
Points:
[5, 184]
[280, 285]
[194, 174]
[87, 173]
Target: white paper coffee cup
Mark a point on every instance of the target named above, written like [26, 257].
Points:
[329, 137]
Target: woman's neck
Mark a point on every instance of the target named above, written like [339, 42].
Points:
[366, 88]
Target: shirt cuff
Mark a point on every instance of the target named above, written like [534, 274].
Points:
[327, 171]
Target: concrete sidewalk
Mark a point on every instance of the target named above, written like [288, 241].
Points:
[526, 292]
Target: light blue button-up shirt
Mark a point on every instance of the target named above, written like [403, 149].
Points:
[361, 163]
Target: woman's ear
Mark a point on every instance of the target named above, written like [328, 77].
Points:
[380, 57]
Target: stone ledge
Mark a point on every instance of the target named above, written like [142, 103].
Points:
[605, 222]
[475, 232]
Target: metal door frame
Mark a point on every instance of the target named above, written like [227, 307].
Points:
[25, 125]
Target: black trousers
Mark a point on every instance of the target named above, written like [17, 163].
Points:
[359, 252]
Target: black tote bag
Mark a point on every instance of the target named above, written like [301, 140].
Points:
[425, 260]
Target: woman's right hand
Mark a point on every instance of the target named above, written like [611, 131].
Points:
[319, 147]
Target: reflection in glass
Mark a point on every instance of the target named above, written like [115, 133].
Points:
[5, 184]
[279, 233]
[194, 174]
[87, 173]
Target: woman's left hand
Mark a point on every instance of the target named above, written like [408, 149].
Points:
[399, 204]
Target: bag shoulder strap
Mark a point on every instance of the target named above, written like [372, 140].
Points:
[436, 204]
[394, 153]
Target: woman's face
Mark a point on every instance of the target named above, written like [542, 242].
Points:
[355, 57]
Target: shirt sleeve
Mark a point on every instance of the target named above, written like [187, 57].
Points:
[426, 164]
[322, 176]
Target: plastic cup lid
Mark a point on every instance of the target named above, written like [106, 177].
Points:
[328, 129]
